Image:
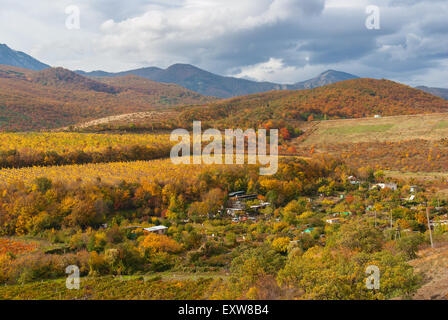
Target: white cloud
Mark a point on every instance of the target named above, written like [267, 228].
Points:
[202, 30]
[275, 70]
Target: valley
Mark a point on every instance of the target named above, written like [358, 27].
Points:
[86, 180]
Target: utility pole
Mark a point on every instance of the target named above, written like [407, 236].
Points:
[429, 226]
[375, 218]
[391, 226]
[391, 220]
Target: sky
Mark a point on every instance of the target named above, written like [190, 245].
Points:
[283, 41]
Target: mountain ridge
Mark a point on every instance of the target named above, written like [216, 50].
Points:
[19, 59]
[210, 84]
[440, 92]
[195, 79]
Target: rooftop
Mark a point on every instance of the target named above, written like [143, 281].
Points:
[157, 228]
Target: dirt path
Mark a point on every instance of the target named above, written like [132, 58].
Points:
[433, 263]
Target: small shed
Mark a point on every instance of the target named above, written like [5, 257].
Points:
[309, 230]
[392, 186]
[157, 229]
[235, 194]
[333, 221]
[353, 180]
[234, 211]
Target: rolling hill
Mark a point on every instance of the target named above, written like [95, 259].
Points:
[356, 98]
[52, 98]
[65, 79]
[347, 99]
[19, 59]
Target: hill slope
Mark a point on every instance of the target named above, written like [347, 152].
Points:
[210, 84]
[33, 100]
[19, 59]
[65, 79]
[347, 99]
[431, 127]
[408, 143]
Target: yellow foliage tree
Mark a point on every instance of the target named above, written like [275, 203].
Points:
[160, 243]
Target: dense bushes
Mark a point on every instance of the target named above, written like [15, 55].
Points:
[38, 266]
[326, 274]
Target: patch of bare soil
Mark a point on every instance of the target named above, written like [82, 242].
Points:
[433, 263]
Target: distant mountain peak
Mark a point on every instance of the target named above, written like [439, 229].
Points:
[334, 72]
[329, 71]
[183, 65]
[325, 78]
[440, 92]
[19, 59]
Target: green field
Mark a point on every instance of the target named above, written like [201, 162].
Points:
[359, 129]
[442, 125]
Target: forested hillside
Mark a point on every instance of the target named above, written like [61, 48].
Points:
[52, 98]
[347, 99]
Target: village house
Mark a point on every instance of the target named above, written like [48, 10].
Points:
[392, 186]
[347, 213]
[237, 205]
[353, 180]
[246, 197]
[234, 194]
[309, 230]
[235, 212]
[439, 223]
[157, 229]
[333, 221]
